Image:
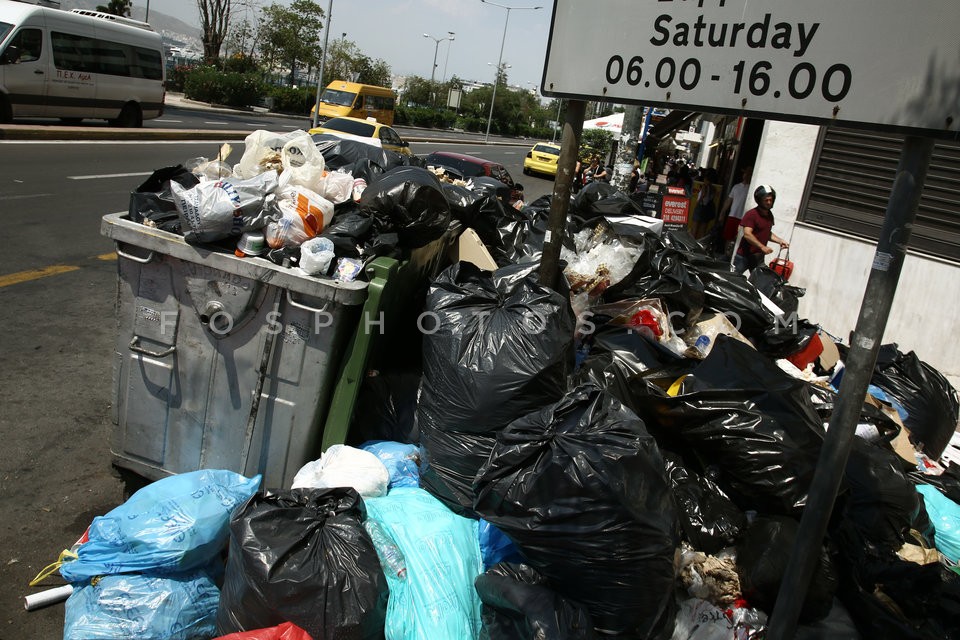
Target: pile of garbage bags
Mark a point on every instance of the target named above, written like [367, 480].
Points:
[625, 454]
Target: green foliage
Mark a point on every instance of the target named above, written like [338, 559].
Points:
[595, 142]
[292, 35]
[209, 84]
[298, 101]
[177, 76]
[240, 63]
[345, 61]
[424, 117]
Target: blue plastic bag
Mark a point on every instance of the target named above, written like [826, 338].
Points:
[944, 514]
[170, 526]
[496, 547]
[434, 598]
[401, 460]
[122, 607]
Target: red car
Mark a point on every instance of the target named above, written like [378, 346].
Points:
[461, 166]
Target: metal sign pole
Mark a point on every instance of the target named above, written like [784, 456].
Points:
[874, 311]
[560, 203]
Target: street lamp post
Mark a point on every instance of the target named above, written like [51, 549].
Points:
[323, 62]
[503, 41]
[436, 48]
[449, 46]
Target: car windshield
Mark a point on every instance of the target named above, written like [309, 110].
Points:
[350, 126]
[341, 98]
[4, 30]
[543, 148]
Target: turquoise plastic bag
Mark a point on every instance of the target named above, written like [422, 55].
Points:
[170, 526]
[401, 460]
[434, 597]
[944, 514]
[146, 608]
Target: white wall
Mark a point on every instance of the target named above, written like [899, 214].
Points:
[834, 268]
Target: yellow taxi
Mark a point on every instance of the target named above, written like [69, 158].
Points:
[369, 128]
[542, 158]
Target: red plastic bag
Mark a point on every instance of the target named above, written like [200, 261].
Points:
[285, 631]
[782, 266]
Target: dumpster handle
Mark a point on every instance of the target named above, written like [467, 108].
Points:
[291, 301]
[135, 346]
[146, 260]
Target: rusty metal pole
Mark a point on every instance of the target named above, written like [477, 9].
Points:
[560, 203]
[874, 311]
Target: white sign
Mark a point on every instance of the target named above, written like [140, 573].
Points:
[878, 62]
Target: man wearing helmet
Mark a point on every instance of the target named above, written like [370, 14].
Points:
[757, 226]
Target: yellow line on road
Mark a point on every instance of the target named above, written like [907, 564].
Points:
[35, 274]
[107, 257]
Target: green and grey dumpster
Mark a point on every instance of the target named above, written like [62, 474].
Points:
[227, 362]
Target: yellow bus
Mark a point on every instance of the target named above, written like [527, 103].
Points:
[354, 100]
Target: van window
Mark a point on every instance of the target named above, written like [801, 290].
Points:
[5, 28]
[93, 55]
[341, 98]
[25, 46]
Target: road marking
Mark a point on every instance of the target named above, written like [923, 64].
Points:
[110, 175]
[214, 122]
[107, 257]
[32, 195]
[253, 124]
[165, 120]
[35, 274]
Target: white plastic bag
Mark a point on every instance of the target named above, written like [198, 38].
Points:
[218, 209]
[343, 466]
[316, 254]
[302, 215]
[336, 186]
[265, 150]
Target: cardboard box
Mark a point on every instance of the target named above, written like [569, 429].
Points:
[470, 248]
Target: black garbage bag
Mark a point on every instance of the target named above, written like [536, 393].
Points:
[785, 337]
[487, 186]
[600, 199]
[762, 556]
[771, 284]
[449, 466]
[410, 201]
[709, 519]
[303, 556]
[878, 505]
[930, 400]
[357, 234]
[668, 277]
[518, 604]
[522, 238]
[580, 487]
[501, 346]
[740, 412]
[620, 359]
[386, 408]
[892, 599]
[948, 482]
[153, 200]
[733, 295]
[339, 153]
[684, 242]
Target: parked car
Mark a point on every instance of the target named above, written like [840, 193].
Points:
[462, 166]
[542, 158]
[388, 138]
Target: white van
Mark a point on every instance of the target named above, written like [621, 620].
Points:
[78, 64]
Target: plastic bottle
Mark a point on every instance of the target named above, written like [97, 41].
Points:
[391, 558]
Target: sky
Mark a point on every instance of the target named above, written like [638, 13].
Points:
[393, 30]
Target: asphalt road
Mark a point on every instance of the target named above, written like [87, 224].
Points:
[58, 287]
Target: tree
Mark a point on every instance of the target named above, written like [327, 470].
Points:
[117, 8]
[214, 22]
[292, 35]
[345, 61]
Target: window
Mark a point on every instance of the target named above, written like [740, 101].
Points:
[5, 28]
[340, 98]
[25, 46]
[545, 148]
[389, 136]
[350, 126]
[92, 55]
[851, 183]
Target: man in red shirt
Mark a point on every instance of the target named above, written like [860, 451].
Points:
[757, 225]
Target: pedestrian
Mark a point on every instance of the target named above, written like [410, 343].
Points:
[590, 173]
[757, 225]
[735, 205]
[705, 210]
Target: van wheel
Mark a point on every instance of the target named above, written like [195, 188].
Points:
[6, 111]
[130, 116]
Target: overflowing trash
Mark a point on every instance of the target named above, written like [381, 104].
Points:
[625, 455]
